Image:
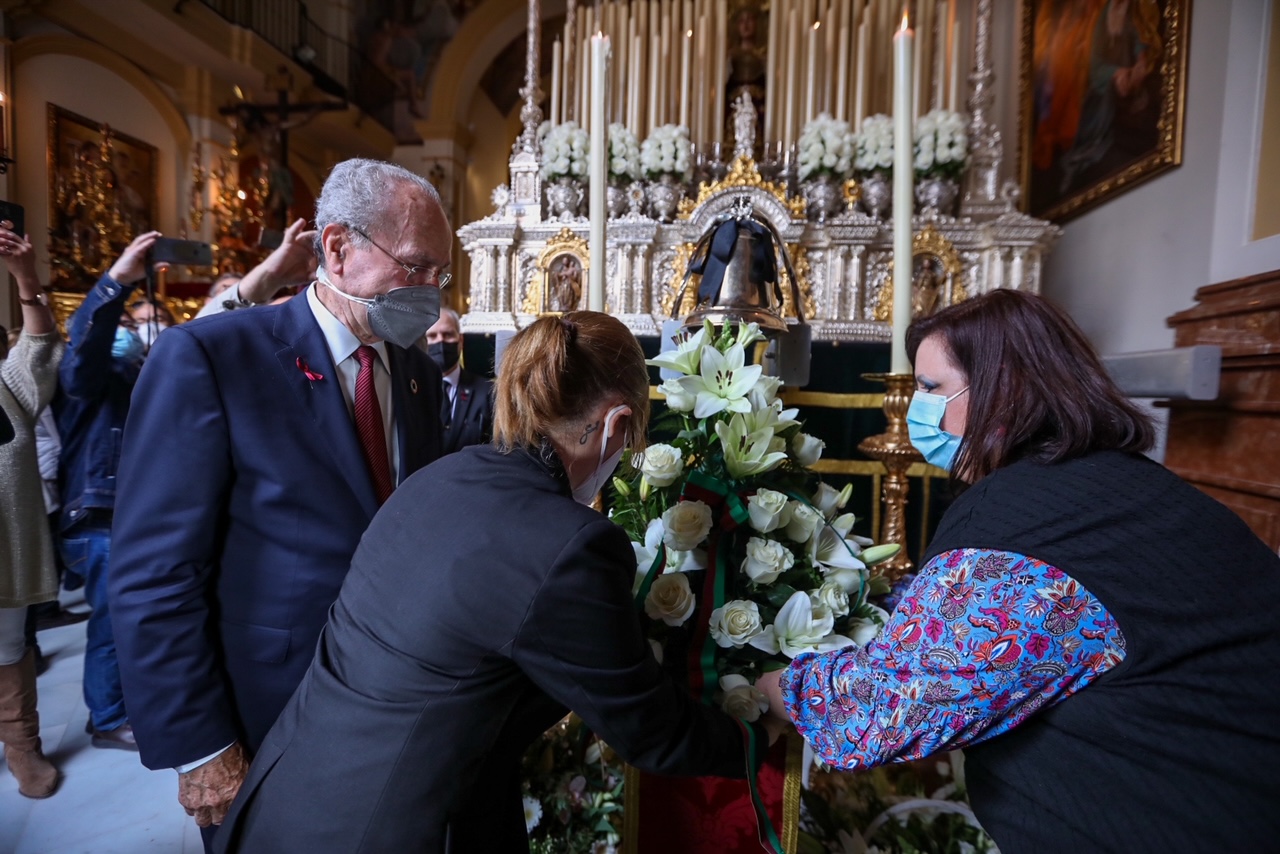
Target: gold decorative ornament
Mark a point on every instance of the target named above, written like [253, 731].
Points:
[894, 450]
[743, 172]
[559, 275]
[943, 271]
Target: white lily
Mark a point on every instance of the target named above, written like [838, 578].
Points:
[833, 548]
[685, 358]
[747, 453]
[677, 561]
[722, 383]
[800, 627]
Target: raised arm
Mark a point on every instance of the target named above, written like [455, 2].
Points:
[582, 644]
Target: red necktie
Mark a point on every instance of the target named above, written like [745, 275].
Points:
[373, 439]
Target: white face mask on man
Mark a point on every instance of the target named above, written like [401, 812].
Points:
[585, 492]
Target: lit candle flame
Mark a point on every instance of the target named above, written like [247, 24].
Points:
[817, 24]
[906, 22]
[688, 34]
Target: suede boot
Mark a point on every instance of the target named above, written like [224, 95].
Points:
[20, 730]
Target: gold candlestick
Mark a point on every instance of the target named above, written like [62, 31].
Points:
[894, 450]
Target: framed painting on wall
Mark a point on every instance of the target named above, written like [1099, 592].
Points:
[102, 194]
[1103, 89]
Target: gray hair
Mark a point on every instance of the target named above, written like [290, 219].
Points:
[445, 311]
[355, 195]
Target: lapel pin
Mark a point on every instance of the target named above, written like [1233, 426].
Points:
[306, 370]
[413, 385]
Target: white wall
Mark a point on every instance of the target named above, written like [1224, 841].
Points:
[97, 93]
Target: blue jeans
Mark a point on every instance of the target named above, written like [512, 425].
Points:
[86, 552]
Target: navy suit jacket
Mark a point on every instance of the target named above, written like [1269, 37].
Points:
[472, 422]
[242, 495]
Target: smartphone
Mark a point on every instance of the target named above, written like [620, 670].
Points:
[193, 253]
[270, 238]
[14, 213]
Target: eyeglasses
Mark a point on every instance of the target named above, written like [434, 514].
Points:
[428, 275]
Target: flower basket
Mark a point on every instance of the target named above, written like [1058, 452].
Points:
[826, 149]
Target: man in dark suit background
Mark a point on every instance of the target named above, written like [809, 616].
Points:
[467, 414]
[255, 456]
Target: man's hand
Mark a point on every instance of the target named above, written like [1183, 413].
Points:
[131, 266]
[207, 792]
[292, 263]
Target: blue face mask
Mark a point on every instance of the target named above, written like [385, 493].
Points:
[924, 425]
[127, 346]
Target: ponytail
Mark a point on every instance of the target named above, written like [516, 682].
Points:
[557, 368]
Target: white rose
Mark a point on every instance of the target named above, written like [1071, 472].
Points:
[863, 630]
[742, 700]
[806, 449]
[678, 399]
[662, 464]
[831, 595]
[804, 521]
[670, 599]
[766, 560]
[735, 623]
[685, 525]
[768, 510]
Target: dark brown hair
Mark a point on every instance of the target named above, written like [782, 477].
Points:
[557, 368]
[1036, 387]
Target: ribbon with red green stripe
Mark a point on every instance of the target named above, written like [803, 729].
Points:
[768, 837]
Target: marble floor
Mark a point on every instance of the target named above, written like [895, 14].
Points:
[107, 802]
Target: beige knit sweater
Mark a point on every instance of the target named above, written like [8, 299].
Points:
[28, 378]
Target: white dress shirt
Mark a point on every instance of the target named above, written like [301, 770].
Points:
[342, 347]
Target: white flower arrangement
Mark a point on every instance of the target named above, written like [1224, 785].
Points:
[941, 145]
[624, 154]
[874, 146]
[795, 576]
[667, 152]
[564, 152]
[826, 148]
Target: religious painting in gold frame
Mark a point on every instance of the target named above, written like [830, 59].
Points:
[1103, 92]
[102, 193]
[560, 276]
[936, 277]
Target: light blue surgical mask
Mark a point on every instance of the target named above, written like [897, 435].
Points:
[127, 345]
[924, 425]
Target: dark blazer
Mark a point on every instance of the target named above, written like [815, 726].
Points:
[472, 413]
[242, 496]
[482, 601]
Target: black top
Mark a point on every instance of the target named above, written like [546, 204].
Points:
[482, 601]
[1177, 746]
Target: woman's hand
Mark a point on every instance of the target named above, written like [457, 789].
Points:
[16, 249]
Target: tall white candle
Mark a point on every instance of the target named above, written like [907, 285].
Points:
[791, 93]
[842, 74]
[826, 103]
[719, 44]
[940, 33]
[903, 90]
[686, 61]
[771, 77]
[701, 84]
[555, 83]
[811, 74]
[655, 62]
[953, 86]
[860, 79]
[596, 173]
[633, 90]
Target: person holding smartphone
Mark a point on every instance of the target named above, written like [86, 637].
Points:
[28, 573]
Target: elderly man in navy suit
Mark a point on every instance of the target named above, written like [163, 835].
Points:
[260, 445]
